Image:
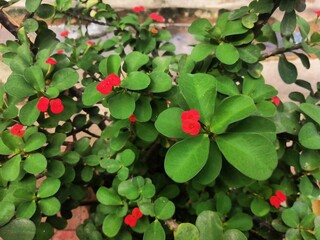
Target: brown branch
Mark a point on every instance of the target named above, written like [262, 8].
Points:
[79, 16]
[7, 24]
[278, 51]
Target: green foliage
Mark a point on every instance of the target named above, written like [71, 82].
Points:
[70, 128]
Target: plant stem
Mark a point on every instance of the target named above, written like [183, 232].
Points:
[278, 51]
[7, 24]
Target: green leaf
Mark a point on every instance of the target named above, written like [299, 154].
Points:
[108, 196]
[233, 28]
[187, 231]
[49, 206]
[110, 65]
[169, 123]
[17, 86]
[234, 234]
[160, 82]
[309, 136]
[249, 20]
[201, 51]
[55, 169]
[128, 190]
[312, 111]
[305, 186]
[4, 150]
[121, 106]
[154, 231]
[136, 81]
[240, 221]
[12, 141]
[35, 141]
[111, 225]
[7, 212]
[44, 231]
[71, 157]
[32, 5]
[134, 61]
[35, 163]
[64, 79]
[250, 53]
[91, 95]
[31, 25]
[262, 6]
[227, 53]
[304, 27]
[226, 85]
[199, 91]
[290, 217]
[230, 110]
[11, 168]
[288, 23]
[200, 27]
[143, 110]
[163, 208]
[287, 70]
[223, 203]
[29, 112]
[48, 187]
[309, 159]
[26, 209]
[34, 76]
[45, 11]
[252, 154]
[259, 207]
[27, 230]
[146, 131]
[209, 225]
[186, 158]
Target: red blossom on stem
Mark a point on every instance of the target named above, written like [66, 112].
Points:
[276, 101]
[56, 106]
[90, 43]
[190, 122]
[277, 199]
[113, 80]
[105, 86]
[138, 9]
[51, 61]
[156, 17]
[132, 219]
[64, 33]
[60, 51]
[317, 12]
[17, 130]
[43, 104]
[132, 118]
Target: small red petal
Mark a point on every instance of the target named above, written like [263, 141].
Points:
[281, 196]
[276, 101]
[191, 127]
[136, 212]
[274, 201]
[64, 33]
[193, 115]
[317, 12]
[60, 51]
[130, 220]
[104, 87]
[43, 104]
[56, 106]
[17, 130]
[51, 61]
[132, 118]
[90, 43]
[154, 31]
[113, 79]
[138, 9]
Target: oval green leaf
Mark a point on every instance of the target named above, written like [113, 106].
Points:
[227, 53]
[136, 81]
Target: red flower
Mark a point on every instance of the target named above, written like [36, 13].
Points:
[43, 104]
[90, 43]
[154, 31]
[191, 127]
[104, 87]
[136, 212]
[279, 198]
[17, 130]
[64, 33]
[130, 220]
[156, 17]
[138, 9]
[318, 13]
[132, 118]
[60, 51]
[276, 101]
[192, 115]
[51, 61]
[113, 79]
[56, 106]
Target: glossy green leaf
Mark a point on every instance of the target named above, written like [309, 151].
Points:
[305, 186]
[134, 61]
[136, 81]
[49, 206]
[201, 51]
[252, 154]
[64, 79]
[35, 163]
[226, 85]
[259, 207]
[200, 26]
[250, 53]
[29, 112]
[309, 136]
[169, 123]
[91, 95]
[312, 111]
[11, 141]
[34, 76]
[290, 217]
[49, 187]
[249, 20]
[163, 208]
[108, 197]
[240, 221]
[223, 203]
[227, 53]
[143, 110]
[160, 82]
[111, 225]
[11, 168]
[128, 190]
[44, 231]
[230, 110]
[187, 231]
[7, 212]
[309, 159]
[32, 5]
[209, 225]
[45, 11]
[55, 168]
[35, 141]
[199, 91]
[186, 158]
[287, 70]
[234, 234]
[27, 230]
[122, 105]
[26, 209]
[288, 23]
[154, 231]
[110, 65]
[146, 131]
[17, 86]
[233, 28]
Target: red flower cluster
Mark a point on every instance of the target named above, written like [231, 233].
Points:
[56, 105]
[156, 17]
[132, 118]
[51, 61]
[64, 33]
[138, 9]
[277, 199]
[17, 130]
[132, 219]
[190, 122]
[276, 101]
[105, 87]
